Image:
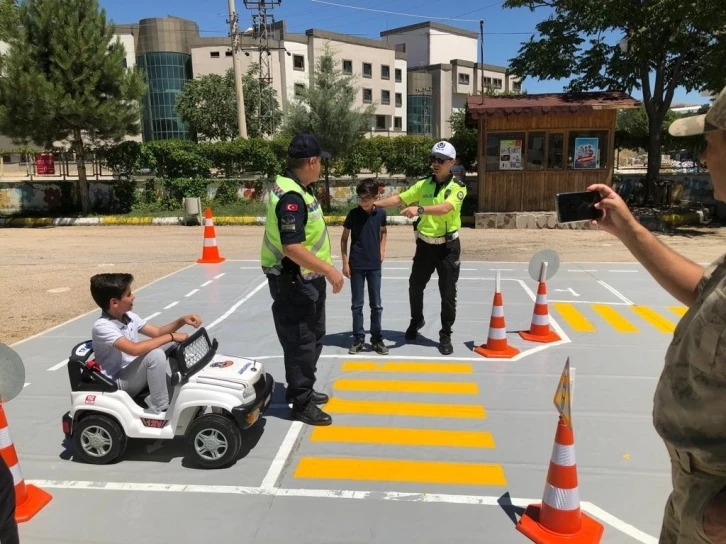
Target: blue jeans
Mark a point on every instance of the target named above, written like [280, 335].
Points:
[357, 279]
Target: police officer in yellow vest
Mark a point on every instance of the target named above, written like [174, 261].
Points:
[439, 198]
[297, 261]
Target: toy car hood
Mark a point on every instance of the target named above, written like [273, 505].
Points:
[228, 371]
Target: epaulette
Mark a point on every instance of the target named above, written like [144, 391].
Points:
[460, 183]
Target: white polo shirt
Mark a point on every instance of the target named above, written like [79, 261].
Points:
[106, 330]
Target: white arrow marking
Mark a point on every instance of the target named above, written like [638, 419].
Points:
[570, 289]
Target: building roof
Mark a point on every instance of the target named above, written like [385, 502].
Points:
[546, 104]
[433, 26]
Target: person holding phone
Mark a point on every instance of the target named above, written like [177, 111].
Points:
[689, 411]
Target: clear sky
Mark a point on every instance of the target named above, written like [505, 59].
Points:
[504, 29]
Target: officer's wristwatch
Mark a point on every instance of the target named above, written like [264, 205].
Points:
[420, 210]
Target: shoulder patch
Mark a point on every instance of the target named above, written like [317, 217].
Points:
[292, 207]
[460, 183]
[460, 195]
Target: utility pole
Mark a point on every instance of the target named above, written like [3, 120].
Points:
[481, 52]
[237, 62]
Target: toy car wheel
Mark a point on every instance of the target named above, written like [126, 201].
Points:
[98, 439]
[214, 441]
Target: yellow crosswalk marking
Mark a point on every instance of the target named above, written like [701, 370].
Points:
[678, 310]
[421, 409]
[399, 386]
[402, 437]
[401, 366]
[617, 321]
[573, 316]
[654, 318]
[401, 471]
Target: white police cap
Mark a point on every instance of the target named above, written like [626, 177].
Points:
[444, 150]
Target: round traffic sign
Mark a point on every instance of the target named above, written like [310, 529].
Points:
[548, 256]
[12, 374]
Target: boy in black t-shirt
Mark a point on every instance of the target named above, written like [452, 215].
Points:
[367, 223]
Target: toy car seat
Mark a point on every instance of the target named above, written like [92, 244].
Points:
[84, 372]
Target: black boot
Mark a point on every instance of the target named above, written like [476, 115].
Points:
[320, 398]
[445, 347]
[311, 414]
[413, 328]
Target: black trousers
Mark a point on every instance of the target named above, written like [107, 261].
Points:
[8, 526]
[445, 259]
[299, 313]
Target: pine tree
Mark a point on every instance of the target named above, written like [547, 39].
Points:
[66, 80]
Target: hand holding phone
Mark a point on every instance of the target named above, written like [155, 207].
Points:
[578, 206]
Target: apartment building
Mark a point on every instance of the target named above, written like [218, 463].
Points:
[443, 70]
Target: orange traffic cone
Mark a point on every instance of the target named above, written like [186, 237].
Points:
[539, 330]
[497, 345]
[29, 500]
[558, 518]
[210, 250]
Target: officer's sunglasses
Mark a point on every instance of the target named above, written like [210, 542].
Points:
[438, 160]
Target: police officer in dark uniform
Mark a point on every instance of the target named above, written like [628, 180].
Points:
[439, 198]
[297, 260]
[8, 525]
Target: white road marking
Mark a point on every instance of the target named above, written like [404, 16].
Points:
[503, 269]
[237, 305]
[206, 283]
[171, 305]
[629, 271]
[468, 269]
[615, 292]
[570, 290]
[278, 463]
[152, 316]
[394, 496]
[219, 275]
[63, 363]
[190, 293]
[577, 270]
[93, 311]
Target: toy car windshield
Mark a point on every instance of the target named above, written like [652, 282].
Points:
[195, 353]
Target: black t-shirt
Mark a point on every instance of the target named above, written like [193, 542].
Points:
[365, 229]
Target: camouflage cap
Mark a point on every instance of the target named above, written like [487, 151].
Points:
[715, 119]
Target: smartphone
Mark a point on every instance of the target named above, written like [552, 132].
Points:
[577, 206]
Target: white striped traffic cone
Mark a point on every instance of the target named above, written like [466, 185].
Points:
[210, 250]
[29, 500]
[497, 345]
[539, 330]
[559, 518]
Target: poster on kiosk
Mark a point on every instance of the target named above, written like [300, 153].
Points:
[45, 164]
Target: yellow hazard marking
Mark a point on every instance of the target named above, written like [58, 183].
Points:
[626, 456]
[678, 310]
[401, 366]
[654, 318]
[399, 386]
[400, 471]
[403, 437]
[617, 321]
[421, 409]
[573, 316]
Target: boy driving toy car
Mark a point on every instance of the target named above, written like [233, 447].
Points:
[131, 363]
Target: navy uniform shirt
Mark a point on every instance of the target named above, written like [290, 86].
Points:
[365, 228]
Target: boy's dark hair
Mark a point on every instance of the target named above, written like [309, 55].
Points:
[368, 187]
[104, 287]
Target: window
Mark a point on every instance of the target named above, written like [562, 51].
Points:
[494, 83]
[399, 100]
[228, 53]
[214, 54]
[367, 96]
[517, 86]
[504, 151]
[419, 113]
[347, 66]
[367, 69]
[124, 63]
[556, 151]
[380, 122]
[397, 123]
[298, 62]
[385, 97]
[536, 150]
[399, 75]
[587, 150]
[385, 72]
[463, 79]
[299, 89]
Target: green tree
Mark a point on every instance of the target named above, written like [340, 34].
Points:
[653, 46]
[66, 80]
[209, 106]
[327, 108]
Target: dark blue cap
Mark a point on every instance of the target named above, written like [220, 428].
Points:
[305, 146]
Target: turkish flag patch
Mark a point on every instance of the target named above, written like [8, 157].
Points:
[291, 208]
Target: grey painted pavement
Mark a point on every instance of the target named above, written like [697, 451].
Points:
[364, 479]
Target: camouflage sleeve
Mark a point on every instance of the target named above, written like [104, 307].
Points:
[708, 273]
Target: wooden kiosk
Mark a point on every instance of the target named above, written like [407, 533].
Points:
[534, 146]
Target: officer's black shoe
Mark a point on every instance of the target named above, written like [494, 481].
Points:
[413, 328]
[319, 398]
[379, 347]
[311, 414]
[357, 347]
[445, 347]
